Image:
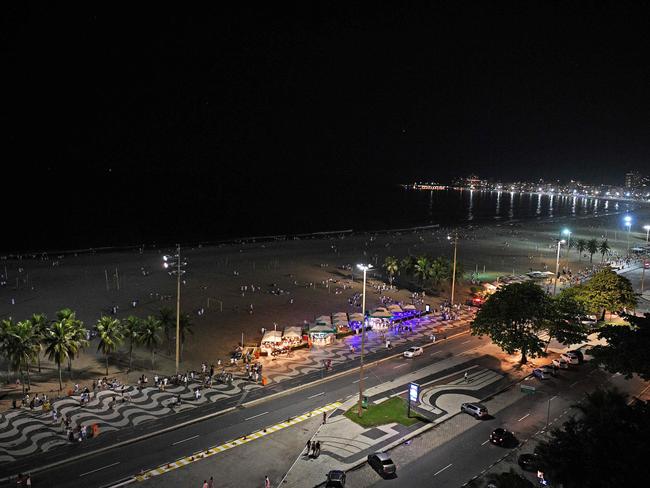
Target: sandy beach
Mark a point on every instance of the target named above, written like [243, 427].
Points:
[295, 280]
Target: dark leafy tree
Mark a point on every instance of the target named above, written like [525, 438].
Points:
[626, 349]
[606, 291]
[565, 320]
[605, 445]
[514, 317]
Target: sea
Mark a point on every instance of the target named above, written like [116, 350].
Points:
[167, 212]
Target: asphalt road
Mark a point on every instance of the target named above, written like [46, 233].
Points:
[117, 464]
[469, 453]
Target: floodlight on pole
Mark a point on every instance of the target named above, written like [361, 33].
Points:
[453, 273]
[364, 268]
[628, 223]
[168, 262]
[557, 264]
[567, 233]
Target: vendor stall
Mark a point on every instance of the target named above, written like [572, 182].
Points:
[271, 341]
[292, 336]
[380, 319]
[322, 334]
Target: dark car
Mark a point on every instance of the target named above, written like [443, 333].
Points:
[335, 479]
[382, 463]
[502, 437]
[578, 352]
[237, 355]
[528, 462]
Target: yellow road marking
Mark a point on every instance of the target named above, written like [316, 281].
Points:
[179, 463]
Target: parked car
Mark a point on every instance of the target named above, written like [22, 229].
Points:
[502, 437]
[560, 363]
[528, 462]
[382, 463]
[478, 410]
[413, 351]
[335, 479]
[549, 370]
[570, 357]
[539, 373]
[578, 352]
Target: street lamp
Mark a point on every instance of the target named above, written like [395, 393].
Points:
[647, 232]
[364, 268]
[567, 233]
[628, 223]
[168, 262]
[453, 274]
[557, 264]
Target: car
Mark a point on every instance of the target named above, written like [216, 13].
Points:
[549, 370]
[502, 437]
[570, 357]
[528, 462]
[382, 463]
[478, 410]
[413, 351]
[579, 354]
[335, 479]
[590, 320]
[560, 363]
[646, 264]
[539, 373]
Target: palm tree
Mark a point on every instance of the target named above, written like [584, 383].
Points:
[604, 249]
[6, 326]
[407, 264]
[168, 322]
[149, 335]
[421, 268]
[110, 335]
[59, 343]
[581, 246]
[439, 271]
[185, 327]
[24, 347]
[392, 267]
[592, 248]
[40, 324]
[78, 331]
[131, 329]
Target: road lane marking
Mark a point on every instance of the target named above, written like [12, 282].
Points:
[185, 440]
[437, 352]
[317, 394]
[255, 416]
[468, 340]
[357, 381]
[574, 384]
[553, 398]
[522, 418]
[485, 442]
[438, 472]
[99, 469]
[212, 451]
[400, 365]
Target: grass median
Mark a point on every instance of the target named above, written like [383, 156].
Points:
[389, 411]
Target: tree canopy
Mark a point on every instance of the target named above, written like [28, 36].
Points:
[605, 291]
[605, 445]
[514, 318]
[627, 347]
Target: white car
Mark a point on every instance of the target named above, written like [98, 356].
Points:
[570, 357]
[560, 363]
[411, 352]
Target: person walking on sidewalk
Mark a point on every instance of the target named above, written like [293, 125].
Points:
[267, 482]
[308, 447]
[466, 379]
[317, 449]
[324, 417]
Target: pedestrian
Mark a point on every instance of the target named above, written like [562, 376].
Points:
[324, 417]
[466, 379]
[267, 482]
[28, 481]
[211, 482]
[308, 447]
[205, 484]
[317, 450]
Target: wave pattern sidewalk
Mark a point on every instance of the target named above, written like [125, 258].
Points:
[24, 432]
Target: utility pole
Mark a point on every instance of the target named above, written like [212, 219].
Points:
[178, 305]
[365, 268]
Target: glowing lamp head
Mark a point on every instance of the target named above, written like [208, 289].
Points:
[566, 232]
[646, 227]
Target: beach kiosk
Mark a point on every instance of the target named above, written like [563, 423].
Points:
[320, 334]
[380, 319]
[355, 321]
[271, 341]
[292, 336]
[340, 321]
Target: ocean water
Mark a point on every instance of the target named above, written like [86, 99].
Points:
[166, 211]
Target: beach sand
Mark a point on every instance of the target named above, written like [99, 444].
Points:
[87, 282]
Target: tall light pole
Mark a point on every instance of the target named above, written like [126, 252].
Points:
[453, 273]
[647, 232]
[557, 264]
[168, 263]
[567, 233]
[628, 223]
[364, 268]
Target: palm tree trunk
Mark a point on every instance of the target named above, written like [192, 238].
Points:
[131, 355]
[182, 344]
[106, 357]
[38, 357]
[58, 364]
[29, 381]
[524, 359]
[153, 358]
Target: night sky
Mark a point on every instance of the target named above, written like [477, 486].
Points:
[102, 101]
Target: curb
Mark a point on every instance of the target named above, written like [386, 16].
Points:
[214, 414]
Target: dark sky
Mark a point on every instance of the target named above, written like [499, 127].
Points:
[243, 97]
